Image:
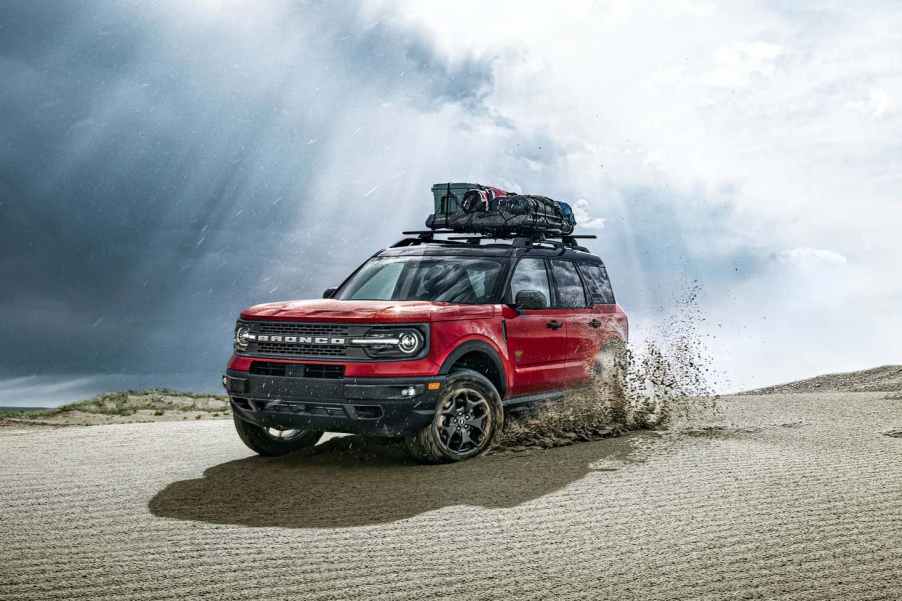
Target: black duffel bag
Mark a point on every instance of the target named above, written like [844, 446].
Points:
[481, 212]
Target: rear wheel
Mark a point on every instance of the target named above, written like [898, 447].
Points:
[274, 442]
[610, 365]
[610, 375]
[468, 421]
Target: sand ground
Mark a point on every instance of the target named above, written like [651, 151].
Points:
[798, 497]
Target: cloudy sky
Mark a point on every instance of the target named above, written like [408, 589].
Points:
[163, 164]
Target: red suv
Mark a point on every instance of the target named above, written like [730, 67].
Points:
[431, 340]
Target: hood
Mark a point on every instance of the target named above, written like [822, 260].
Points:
[328, 309]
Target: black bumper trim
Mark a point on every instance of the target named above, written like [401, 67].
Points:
[375, 406]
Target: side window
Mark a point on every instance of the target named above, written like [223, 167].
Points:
[596, 277]
[569, 287]
[530, 274]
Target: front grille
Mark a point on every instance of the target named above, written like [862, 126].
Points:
[298, 329]
[309, 350]
[332, 372]
[264, 368]
[315, 340]
[296, 349]
[297, 370]
[297, 408]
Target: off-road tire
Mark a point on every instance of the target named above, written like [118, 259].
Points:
[426, 446]
[258, 440]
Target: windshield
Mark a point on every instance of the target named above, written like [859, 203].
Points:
[449, 279]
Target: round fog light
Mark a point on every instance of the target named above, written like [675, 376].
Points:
[408, 342]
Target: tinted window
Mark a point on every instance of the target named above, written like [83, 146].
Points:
[530, 274]
[569, 287]
[377, 283]
[450, 279]
[596, 277]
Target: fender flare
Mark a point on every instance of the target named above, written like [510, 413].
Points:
[482, 347]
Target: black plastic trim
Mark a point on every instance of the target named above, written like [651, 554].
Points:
[477, 346]
[354, 405]
[527, 399]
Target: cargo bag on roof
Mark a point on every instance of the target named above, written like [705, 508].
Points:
[485, 210]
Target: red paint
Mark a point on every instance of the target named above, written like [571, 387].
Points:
[534, 356]
[376, 312]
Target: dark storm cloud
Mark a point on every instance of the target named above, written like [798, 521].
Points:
[467, 83]
[145, 159]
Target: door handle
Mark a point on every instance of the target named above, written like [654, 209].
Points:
[554, 324]
[595, 323]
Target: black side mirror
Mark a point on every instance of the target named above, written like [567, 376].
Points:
[530, 299]
[329, 292]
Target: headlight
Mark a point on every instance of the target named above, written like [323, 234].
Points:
[242, 337]
[386, 342]
[409, 342]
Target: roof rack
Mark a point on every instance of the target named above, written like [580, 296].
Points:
[518, 240]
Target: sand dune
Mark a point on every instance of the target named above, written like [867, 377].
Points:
[887, 378]
[790, 497]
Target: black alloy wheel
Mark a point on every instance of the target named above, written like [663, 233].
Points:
[468, 420]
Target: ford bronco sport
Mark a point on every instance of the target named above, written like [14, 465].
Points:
[432, 340]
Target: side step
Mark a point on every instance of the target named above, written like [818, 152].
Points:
[525, 402]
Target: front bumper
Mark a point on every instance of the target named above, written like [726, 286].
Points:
[374, 406]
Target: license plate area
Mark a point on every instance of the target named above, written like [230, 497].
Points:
[303, 389]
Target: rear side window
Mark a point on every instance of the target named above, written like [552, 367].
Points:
[569, 287]
[596, 277]
[530, 274]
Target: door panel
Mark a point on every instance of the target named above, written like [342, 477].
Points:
[570, 298]
[584, 337]
[539, 353]
[604, 310]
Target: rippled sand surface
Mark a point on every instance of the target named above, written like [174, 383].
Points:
[789, 497]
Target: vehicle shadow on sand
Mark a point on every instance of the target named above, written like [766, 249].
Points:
[352, 481]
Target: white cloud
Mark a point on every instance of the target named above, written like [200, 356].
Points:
[584, 219]
[877, 104]
[740, 64]
[807, 257]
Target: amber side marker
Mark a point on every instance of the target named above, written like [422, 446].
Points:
[433, 385]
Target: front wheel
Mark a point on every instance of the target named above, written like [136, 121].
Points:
[468, 420]
[274, 442]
